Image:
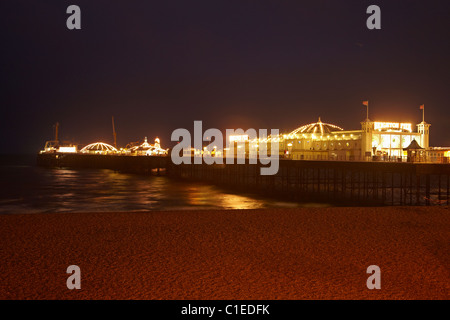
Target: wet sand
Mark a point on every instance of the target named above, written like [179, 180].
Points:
[305, 253]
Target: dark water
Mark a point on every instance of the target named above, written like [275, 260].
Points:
[26, 188]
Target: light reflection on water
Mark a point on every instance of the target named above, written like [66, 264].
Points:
[30, 189]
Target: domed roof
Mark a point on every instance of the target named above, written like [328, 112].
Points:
[145, 145]
[99, 146]
[318, 127]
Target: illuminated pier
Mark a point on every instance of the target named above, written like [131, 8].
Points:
[102, 148]
[138, 157]
[383, 163]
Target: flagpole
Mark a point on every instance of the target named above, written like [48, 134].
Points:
[423, 114]
[367, 110]
[366, 103]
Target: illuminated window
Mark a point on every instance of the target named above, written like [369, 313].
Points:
[406, 140]
[395, 142]
[375, 140]
[385, 141]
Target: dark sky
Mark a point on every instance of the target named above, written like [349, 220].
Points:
[159, 65]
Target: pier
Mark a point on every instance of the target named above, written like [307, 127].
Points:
[334, 182]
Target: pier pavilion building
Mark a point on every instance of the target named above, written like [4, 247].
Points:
[324, 141]
[376, 140]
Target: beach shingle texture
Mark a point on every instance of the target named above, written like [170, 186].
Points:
[305, 253]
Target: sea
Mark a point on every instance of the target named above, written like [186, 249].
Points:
[27, 188]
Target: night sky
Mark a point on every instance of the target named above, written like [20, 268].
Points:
[159, 65]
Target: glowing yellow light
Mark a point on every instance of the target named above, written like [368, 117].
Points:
[392, 126]
[239, 138]
[314, 127]
[98, 147]
[67, 149]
